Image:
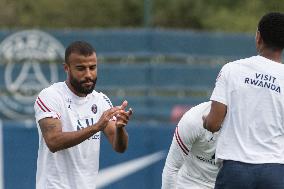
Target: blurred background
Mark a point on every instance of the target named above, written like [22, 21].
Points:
[161, 55]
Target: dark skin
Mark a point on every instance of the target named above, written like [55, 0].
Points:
[213, 121]
[84, 68]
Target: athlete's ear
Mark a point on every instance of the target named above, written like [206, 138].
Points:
[258, 41]
[66, 67]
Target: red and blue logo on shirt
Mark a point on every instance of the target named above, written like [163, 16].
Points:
[94, 108]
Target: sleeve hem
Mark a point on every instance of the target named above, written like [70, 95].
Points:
[49, 115]
[218, 99]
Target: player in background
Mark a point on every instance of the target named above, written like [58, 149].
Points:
[190, 163]
[70, 117]
[248, 107]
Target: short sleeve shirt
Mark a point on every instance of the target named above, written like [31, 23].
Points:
[253, 129]
[75, 167]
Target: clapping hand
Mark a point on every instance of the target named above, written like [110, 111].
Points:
[123, 116]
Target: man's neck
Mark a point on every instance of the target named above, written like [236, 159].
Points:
[73, 90]
[272, 55]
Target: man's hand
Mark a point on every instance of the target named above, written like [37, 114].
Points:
[123, 116]
[115, 131]
[107, 116]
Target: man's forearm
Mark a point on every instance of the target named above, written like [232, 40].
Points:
[64, 140]
[120, 140]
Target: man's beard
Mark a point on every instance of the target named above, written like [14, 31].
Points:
[79, 88]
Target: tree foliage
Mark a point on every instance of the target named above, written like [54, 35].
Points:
[209, 15]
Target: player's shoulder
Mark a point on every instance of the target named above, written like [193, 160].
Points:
[192, 119]
[54, 90]
[233, 64]
[202, 106]
[198, 109]
[98, 94]
[102, 97]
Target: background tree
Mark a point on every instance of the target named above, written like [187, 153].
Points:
[208, 15]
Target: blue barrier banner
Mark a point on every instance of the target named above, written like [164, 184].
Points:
[140, 167]
[31, 60]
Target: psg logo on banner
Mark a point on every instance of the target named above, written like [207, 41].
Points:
[94, 108]
[29, 62]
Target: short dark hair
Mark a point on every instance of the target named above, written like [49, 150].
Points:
[79, 47]
[271, 28]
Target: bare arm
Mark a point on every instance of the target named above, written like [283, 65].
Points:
[118, 137]
[57, 140]
[116, 132]
[213, 121]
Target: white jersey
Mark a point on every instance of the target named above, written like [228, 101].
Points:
[253, 129]
[75, 167]
[191, 159]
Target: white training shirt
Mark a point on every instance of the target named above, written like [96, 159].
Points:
[75, 167]
[253, 129]
[191, 159]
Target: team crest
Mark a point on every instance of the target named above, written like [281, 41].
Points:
[94, 108]
[28, 62]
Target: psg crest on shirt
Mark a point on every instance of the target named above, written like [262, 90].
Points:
[94, 108]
